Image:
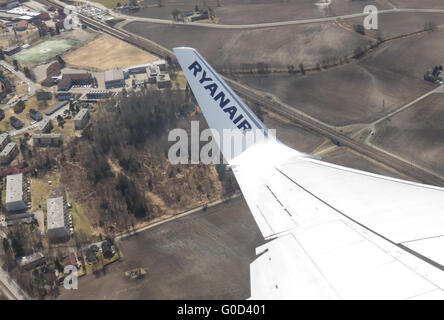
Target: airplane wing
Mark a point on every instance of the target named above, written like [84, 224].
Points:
[333, 232]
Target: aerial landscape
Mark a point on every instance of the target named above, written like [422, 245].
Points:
[91, 91]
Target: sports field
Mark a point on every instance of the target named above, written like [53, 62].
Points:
[45, 50]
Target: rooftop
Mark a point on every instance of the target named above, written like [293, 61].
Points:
[3, 137]
[47, 135]
[23, 261]
[82, 113]
[42, 124]
[114, 75]
[55, 213]
[67, 78]
[14, 188]
[7, 149]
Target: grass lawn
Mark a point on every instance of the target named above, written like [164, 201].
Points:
[40, 189]
[80, 221]
[43, 51]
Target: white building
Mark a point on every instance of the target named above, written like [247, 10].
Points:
[44, 126]
[4, 140]
[114, 78]
[57, 218]
[9, 152]
[47, 139]
[16, 192]
[81, 119]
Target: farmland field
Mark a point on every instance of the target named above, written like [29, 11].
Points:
[109, 53]
[418, 128]
[361, 91]
[257, 11]
[345, 157]
[308, 44]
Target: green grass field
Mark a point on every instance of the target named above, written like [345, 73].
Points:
[45, 50]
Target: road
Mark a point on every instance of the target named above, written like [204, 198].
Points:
[177, 216]
[250, 26]
[32, 87]
[10, 288]
[271, 24]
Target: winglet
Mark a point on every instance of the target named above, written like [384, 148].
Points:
[221, 106]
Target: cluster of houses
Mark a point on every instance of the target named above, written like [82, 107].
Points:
[17, 18]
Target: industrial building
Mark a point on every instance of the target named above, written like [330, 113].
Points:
[9, 152]
[44, 126]
[56, 108]
[98, 95]
[161, 64]
[11, 50]
[140, 79]
[47, 139]
[58, 219]
[75, 79]
[16, 192]
[163, 81]
[81, 119]
[4, 140]
[65, 96]
[114, 78]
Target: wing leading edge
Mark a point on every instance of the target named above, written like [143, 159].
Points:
[335, 232]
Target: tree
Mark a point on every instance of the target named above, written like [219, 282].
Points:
[176, 13]
[301, 68]
[16, 64]
[6, 245]
[430, 26]
[359, 28]
[61, 61]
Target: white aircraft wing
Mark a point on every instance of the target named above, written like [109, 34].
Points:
[334, 232]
